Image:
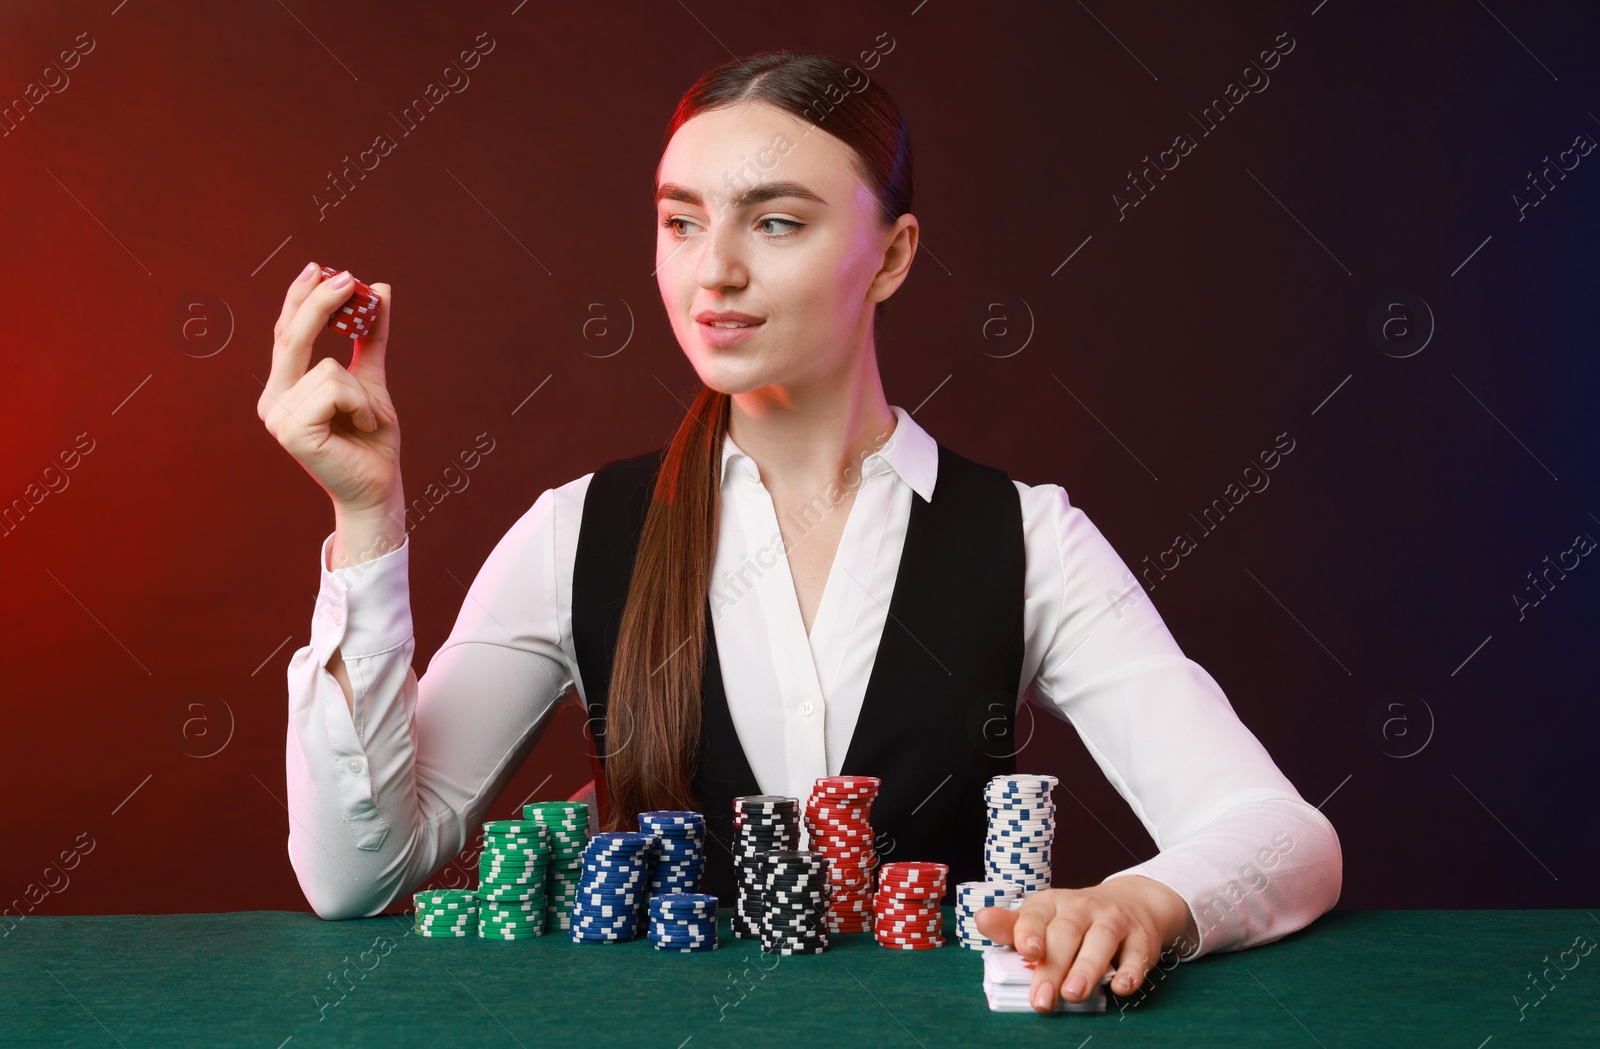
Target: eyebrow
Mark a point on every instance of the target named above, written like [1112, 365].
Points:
[758, 194]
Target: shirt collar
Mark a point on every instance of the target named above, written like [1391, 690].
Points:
[910, 452]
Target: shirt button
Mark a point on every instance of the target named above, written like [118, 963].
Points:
[806, 708]
[355, 764]
[336, 614]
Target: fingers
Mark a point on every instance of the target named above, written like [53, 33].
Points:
[996, 923]
[1133, 963]
[340, 392]
[291, 346]
[299, 288]
[1061, 937]
[1094, 958]
[371, 349]
[324, 392]
[1078, 948]
[1071, 937]
[1028, 932]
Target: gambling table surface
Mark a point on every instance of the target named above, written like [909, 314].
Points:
[285, 980]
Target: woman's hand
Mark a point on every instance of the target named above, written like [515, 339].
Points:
[338, 423]
[1073, 935]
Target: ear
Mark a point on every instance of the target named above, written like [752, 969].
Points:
[900, 246]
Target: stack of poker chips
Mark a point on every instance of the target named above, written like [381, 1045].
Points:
[680, 853]
[1022, 826]
[974, 896]
[359, 312]
[511, 880]
[908, 912]
[567, 824]
[761, 823]
[683, 922]
[616, 870]
[838, 825]
[446, 912]
[794, 894]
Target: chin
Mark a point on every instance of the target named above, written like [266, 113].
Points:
[731, 377]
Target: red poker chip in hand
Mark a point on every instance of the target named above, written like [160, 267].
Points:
[356, 316]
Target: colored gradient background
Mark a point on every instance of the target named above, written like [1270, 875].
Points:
[1343, 260]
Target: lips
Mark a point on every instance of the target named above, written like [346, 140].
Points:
[726, 319]
[725, 330]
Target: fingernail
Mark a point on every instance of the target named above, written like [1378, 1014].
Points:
[311, 267]
[1041, 996]
[342, 280]
[1032, 946]
[1074, 986]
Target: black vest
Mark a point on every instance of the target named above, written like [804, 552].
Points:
[936, 722]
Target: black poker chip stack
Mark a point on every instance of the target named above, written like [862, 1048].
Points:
[795, 889]
[762, 823]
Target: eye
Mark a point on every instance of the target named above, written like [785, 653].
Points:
[676, 226]
[798, 226]
[671, 224]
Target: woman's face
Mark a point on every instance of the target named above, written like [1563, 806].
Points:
[756, 216]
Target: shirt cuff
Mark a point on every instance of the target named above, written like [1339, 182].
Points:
[362, 609]
[1188, 875]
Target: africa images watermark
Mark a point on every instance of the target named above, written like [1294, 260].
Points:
[53, 881]
[1254, 480]
[55, 481]
[1167, 160]
[1583, 544]
[52, 81]
[336, 991]
[341, 184]
[1582, 944]
[1253, 878]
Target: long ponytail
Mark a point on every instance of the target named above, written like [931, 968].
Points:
[654, 710]
[653, 716]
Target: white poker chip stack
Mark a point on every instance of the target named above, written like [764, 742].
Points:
[974, 896]
[1022, 827]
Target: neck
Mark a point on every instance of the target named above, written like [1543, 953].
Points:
[805, 438]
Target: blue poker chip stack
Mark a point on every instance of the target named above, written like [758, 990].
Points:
[683, 922]
[1022, 827]
[680, 853]
[612, 887]
[974, 896]
[679, 856]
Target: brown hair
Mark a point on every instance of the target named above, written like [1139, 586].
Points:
[655, 697]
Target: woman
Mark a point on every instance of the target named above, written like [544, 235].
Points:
[722, 649]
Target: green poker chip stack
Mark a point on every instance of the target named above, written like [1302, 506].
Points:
[567, 825]
[445, 912]
[511, 880]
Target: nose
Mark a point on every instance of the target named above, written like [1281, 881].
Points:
[721, 263]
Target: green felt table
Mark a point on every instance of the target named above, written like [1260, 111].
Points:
[283, 979]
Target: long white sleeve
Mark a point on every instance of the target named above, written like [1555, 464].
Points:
[379, 801]
[1237, 842]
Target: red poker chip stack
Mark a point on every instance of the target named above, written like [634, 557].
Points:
[359, 312]
[839, 827]
[908, 912]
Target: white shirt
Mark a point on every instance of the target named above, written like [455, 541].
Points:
[379, 801]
